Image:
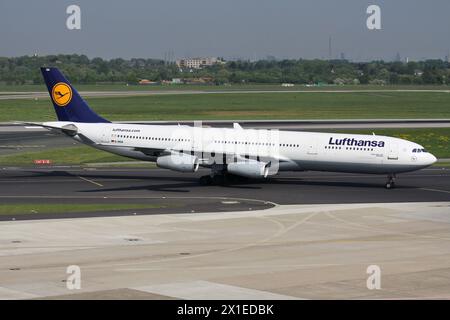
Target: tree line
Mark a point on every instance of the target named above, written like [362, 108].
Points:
[80, 69]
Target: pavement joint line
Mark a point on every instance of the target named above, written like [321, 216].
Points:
[118, 265]
[283, 230]
[90, 181]
[226, 250]
[424, 262]
[326, 210]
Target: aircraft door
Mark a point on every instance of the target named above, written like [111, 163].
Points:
[312, 147]
[393, 151]
[106, 136]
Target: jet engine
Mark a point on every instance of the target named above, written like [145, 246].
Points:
[249, 169]
[178, 162]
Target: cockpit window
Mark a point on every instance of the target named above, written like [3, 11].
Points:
[419, 150]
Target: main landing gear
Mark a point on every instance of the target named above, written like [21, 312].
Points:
[217, 179]
[218, 176]
[390, 183]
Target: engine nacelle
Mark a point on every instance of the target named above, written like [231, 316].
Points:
[249, 169]
[178, 162]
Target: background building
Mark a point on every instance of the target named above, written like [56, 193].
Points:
[197, 63]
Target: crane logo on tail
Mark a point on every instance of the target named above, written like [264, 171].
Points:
[62, 94]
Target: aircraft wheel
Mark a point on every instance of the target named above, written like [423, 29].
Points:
[390, 185]
[218, 179]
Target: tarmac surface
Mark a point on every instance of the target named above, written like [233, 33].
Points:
[285, 252]
[174, 192]
[303, 235]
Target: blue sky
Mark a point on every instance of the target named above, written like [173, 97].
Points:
[233, 29]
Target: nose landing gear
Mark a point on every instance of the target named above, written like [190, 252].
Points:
[390, 183]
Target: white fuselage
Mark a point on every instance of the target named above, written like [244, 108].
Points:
[295, 151]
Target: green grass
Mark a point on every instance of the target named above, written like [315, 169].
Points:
[436, 140]
[19, 208]
[275, 86]
[368, 105]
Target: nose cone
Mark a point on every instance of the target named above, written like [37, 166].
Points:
[431, 159]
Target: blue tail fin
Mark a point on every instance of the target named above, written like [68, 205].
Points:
[69, 106]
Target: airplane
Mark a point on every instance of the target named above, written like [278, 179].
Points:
[230, 152]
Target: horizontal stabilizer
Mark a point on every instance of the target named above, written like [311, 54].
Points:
[69, 129]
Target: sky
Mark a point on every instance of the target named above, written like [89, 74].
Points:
[234, 29]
